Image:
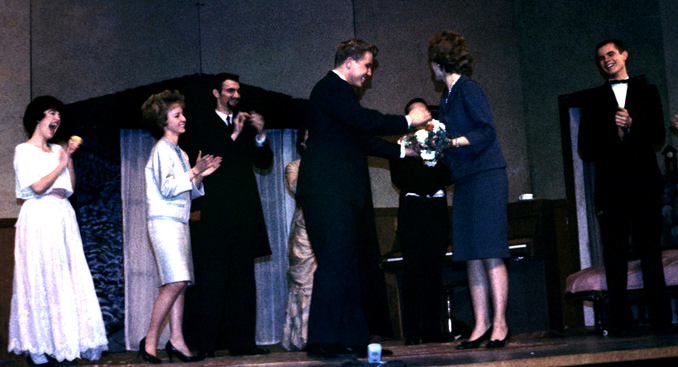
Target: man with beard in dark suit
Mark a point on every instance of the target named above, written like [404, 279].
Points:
[334, 192]
[621, 124]
[221, 308]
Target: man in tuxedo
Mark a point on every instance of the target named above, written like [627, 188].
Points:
[334, 192]
[424, 234]
[221, 308]
[621, 125]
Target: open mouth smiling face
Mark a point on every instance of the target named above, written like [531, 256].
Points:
[51, 121]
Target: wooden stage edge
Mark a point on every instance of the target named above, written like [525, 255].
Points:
[522, 351]
[610, 358]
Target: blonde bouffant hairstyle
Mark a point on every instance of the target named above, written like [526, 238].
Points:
[451, 51]
[156, 108]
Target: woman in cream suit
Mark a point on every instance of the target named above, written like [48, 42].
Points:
[171, 184]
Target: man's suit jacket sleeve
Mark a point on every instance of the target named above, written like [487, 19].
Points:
[338, 100]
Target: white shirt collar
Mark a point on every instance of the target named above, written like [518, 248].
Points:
[340, 74]
[224, 115]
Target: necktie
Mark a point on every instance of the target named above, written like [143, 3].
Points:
[229, 125]
[619, 81]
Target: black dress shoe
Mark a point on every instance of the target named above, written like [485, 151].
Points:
[475, 344]
[253, 351]
[498, 343]
[145, 355]
[172, 351]
[329, 351]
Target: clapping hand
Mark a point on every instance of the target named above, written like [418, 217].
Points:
[216, 163]
[205, 165]
[238, 124]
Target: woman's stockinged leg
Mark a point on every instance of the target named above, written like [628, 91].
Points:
[164, 303]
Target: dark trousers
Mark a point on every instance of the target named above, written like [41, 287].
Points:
[220, 309]
[637, 217]
[424, 234]
[335, 314]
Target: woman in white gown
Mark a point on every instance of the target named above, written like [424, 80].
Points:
[55, 314]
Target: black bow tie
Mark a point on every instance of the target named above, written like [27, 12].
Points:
[619, 81]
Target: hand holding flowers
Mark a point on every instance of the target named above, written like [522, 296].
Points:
[430, 140]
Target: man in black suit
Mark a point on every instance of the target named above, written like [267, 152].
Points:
[424, 234]
[221, 308]
[334, 192]
[621, 124]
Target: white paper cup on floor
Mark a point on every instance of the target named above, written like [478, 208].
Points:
[374, 353]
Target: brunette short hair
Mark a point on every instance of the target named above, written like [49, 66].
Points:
[156, 108]
[35, 111]
[451, 51]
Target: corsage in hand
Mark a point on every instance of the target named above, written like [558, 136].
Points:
[430, 140]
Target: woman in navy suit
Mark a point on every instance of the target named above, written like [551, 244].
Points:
[479, 222]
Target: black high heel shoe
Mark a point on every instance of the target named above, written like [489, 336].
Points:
[145, 355]
[171, 351]
[475, 344]
[498, 343]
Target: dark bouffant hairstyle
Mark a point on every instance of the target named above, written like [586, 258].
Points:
[155, 109]
[355, 49]
[451, 51]
[413, 101]
[35, 111]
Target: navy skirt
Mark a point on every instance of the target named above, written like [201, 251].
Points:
[479, 221]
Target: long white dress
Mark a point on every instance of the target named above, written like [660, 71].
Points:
[54, 310]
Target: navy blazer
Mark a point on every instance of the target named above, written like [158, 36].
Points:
[340, 137]
[465, 111]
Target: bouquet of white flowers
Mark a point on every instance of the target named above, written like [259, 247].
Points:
[431, 139]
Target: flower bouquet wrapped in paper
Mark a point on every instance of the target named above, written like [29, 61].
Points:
[430, 140]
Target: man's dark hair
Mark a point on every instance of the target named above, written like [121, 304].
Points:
[353, 48]
[220, 78]
[413, 101]
[618, 44]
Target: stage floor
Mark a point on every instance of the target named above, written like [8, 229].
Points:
[522, 351]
